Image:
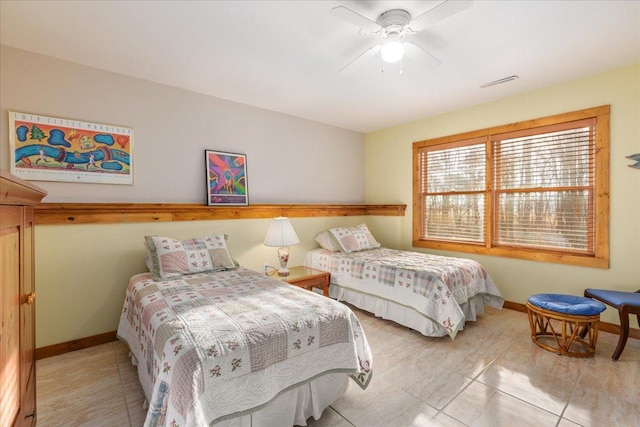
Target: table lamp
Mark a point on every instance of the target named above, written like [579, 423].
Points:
[281, 235]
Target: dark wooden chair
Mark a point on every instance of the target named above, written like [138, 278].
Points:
[626, 303]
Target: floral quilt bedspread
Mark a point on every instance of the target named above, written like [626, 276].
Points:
[434, 285]
[213, 346]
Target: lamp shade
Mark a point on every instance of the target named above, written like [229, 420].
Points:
[281, 233]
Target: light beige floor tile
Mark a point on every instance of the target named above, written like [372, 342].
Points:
[492, 340]
[329, 418]
[619, 379]
[391, 345]
[507, 322]
[427, 381]
[566, 423]
[382, 404]
[134, 395]
[536, 387]
[82, 388]
[479, 406]
[534, 359]
[122, 352]
[459, 356]
[607, 344]
[595, 408]
[439, 420]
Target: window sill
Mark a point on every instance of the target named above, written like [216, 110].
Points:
[532, 255]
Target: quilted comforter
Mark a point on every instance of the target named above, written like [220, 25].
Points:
[433, 285]
[213, 346]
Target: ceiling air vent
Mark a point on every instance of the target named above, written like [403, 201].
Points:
[500, 81]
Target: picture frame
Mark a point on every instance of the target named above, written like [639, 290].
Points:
[226, 178]
[48, 148]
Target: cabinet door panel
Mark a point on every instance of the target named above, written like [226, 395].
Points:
[10, 241]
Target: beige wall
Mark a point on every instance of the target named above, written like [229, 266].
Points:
[290, 160]
[517, 279]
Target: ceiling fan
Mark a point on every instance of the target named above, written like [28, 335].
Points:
[392, 27]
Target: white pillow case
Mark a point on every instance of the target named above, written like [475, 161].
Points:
[354, 239]
[328, 242]
[169, 258]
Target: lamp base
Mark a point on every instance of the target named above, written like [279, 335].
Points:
[283, 259]
[283, 273]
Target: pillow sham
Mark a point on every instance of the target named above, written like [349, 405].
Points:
[354, 239]
[171, 258]
[328, 242]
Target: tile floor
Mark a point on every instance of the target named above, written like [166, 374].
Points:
[490, 375]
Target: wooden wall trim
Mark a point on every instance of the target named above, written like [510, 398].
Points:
[110, 213]
[79, 344]
[56, 349]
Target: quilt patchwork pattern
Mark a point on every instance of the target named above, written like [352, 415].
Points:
[434, 285]
[221, 344]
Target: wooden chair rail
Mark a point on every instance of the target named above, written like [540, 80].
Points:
[109, 213]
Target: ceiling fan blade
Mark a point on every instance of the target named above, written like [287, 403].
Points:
[355, 18]
[361, 59]
[421, 56]
[438, 13]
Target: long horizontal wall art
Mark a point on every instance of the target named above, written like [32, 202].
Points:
[45, 148]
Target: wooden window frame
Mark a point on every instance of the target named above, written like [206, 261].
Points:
[600, 257]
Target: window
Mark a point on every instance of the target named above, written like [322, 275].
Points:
[535, 190]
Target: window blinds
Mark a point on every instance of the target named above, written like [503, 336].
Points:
[453, 186]
[544, 187]
[540, 189]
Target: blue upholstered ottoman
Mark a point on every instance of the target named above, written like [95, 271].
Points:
[564, 324]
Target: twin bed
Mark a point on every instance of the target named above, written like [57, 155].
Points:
[218, 344]
[431, 294]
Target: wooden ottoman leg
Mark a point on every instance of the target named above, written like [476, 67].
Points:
[585, 330]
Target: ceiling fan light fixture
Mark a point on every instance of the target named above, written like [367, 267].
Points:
[392, 25]
[392, 50]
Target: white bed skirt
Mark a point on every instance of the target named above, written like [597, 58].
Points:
[403, 315]
[292, 407]
[295, 406]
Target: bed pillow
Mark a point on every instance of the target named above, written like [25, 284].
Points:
[171, 258]
[354, 239]
[328, 242]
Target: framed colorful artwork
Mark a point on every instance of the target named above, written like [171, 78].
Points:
[226, 178]
[45, 148]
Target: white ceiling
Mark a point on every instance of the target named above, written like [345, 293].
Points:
[285, 55]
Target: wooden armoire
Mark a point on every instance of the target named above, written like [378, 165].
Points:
[17, 301]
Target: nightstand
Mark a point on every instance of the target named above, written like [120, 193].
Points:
[308, 278]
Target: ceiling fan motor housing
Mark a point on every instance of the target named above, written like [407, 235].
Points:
[394, 17]
[393, 23]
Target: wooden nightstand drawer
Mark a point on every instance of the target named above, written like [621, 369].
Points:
[313, 281]
[308, 278]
